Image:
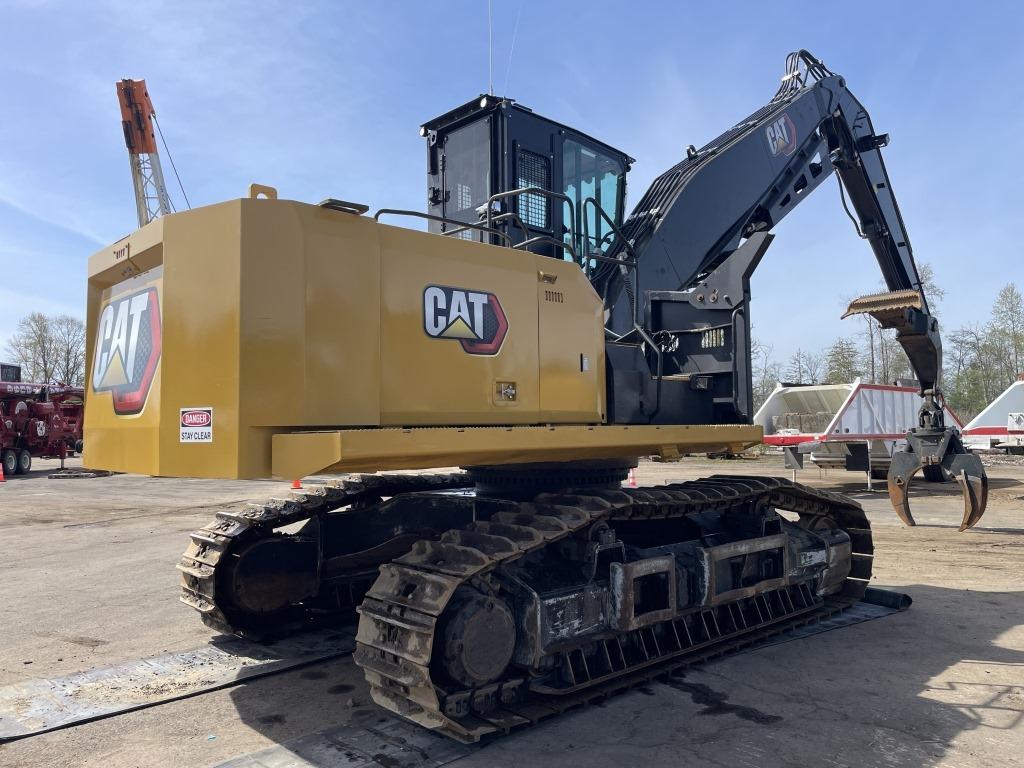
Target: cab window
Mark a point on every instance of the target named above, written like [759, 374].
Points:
[586, 173]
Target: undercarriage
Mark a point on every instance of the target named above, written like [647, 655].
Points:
[485, 601]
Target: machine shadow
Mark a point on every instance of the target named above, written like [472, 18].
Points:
[858, 486]
[883, 699]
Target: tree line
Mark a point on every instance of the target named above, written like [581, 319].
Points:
[980, 359]
[49, 348]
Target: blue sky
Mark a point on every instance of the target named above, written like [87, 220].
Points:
[324, 100]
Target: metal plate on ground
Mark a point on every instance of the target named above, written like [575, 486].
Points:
[856, 614]
[79, 474]
[397, 743]
[387, 742]
[37, 706]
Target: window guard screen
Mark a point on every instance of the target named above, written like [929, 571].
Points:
[533, 170]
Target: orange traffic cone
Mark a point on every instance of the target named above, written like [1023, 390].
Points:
[2, 479]
[296, 485]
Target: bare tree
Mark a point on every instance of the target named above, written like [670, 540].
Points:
[931, 287]
[872, 333]
[49, 348]
[33, 348]
[766, 372]
[893, 358]
[814, 364]
[884, 358]
[803, 368]
[69, 337]
[972, 375]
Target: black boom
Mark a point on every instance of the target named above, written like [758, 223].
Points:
[694, 231]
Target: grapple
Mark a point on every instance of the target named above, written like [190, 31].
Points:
[932, 447]
[942, 457]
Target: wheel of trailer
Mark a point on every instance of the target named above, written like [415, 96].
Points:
[10, 460]
[477, 637]
[24, 462]
[933, 473]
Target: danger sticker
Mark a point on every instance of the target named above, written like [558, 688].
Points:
[196, 425]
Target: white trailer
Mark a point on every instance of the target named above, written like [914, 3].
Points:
[854, 426]
[1014, 442]
[1001, 424]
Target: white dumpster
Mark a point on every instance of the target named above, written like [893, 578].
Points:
[1001, 424]
[854, 426]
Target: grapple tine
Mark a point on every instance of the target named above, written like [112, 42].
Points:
[976, 517]
[971, 489]
[902, 469]
[970, 474]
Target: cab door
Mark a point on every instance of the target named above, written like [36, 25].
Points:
[460, 175]
[531, 163]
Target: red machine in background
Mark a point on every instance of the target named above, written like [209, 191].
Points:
[37, 420]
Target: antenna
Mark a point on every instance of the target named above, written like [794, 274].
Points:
[490, 48]
[512, 49]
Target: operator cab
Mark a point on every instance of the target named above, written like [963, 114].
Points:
[479, 154]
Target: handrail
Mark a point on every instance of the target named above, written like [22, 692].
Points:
[548, 239]
[535, 191]
[615, 229]
[735, 361]
[511, 216]
[462, 225]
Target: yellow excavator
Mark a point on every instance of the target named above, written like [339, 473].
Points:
[540, 339]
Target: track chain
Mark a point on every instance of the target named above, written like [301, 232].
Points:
[401, 611]
[211, 546]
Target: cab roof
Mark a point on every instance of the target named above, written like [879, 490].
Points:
[485, 104]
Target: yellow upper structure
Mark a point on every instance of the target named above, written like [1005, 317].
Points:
[214, 329]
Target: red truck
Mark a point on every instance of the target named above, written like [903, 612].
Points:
[37, 420]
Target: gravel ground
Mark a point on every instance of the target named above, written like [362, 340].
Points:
[89, 580]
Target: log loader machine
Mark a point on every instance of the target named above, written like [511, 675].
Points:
[541, 340]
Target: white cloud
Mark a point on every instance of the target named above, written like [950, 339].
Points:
[36, 205]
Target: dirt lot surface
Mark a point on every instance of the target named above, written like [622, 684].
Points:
[88, 580]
